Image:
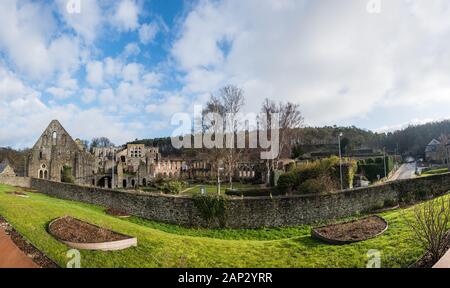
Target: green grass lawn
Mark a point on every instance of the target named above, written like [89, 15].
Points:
[435, 172]
[163, 245]
[212, 189]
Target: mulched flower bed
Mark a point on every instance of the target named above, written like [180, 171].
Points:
[351, 232]
[37, 256]
[19, 194]
[117, 213]
[73, 230]
[426, 261]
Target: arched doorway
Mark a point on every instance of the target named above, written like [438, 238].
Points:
[124, 183]
[104, 182]
[133, 183]
[144, 182]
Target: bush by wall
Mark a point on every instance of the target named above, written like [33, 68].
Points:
[211, 208]
[320, 176]
[374, 167]
[166, 186]
[67, 175]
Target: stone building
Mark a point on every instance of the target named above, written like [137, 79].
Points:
[432, 151]
[6, 169]
[56, 153]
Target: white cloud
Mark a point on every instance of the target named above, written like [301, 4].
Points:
[113, 67]
[131, 72]
[106, 96]
[152, 79]
[126, 16]
[88, 23]
[29, 38]
[332, 57]
[94, 73]
[59, 92]
[392, 128]
[66, 81]
[24, 116]
[148, 32]
[132, 49]
[168, 106]
[89, 96]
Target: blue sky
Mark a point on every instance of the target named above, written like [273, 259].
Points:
[121, 69]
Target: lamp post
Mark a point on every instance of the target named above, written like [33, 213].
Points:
[219, 168]
[112, 173]
[113, 164]
[340, 160]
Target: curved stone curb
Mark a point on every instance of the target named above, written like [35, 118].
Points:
[120, 217]
[17, 195]
[387, 209]
[321, 237]
[104, 246]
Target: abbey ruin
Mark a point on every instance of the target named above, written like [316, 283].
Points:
[56, 157]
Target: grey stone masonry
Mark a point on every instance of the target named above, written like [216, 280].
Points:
[254, 212]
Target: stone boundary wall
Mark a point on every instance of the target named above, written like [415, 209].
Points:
[16, 181]
[254, 212]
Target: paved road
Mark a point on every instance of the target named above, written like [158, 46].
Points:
[11, 256]
[406, 171]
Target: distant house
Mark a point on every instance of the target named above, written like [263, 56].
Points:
[432, 151]
[6, 169]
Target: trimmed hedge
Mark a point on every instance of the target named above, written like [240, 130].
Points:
[373, 167]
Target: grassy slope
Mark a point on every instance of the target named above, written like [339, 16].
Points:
[435, 172]
[162, 245]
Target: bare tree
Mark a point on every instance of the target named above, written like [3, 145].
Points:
[290, 120]
[430, 226]
[443, 151]
[101, 142]
[233, 101]
[227, 104]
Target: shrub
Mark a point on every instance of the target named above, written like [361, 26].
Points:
[430, 226]
[374, 167]
[287, 181]
[211, 207]
[316, 186]
[328, 169]
[388, 203]
[66, 175]
[172, 187]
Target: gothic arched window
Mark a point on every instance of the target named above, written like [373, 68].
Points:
[54, 136]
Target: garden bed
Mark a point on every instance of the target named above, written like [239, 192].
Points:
[82, 235]
[117, 213]
[18, 194]
[351, 232]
